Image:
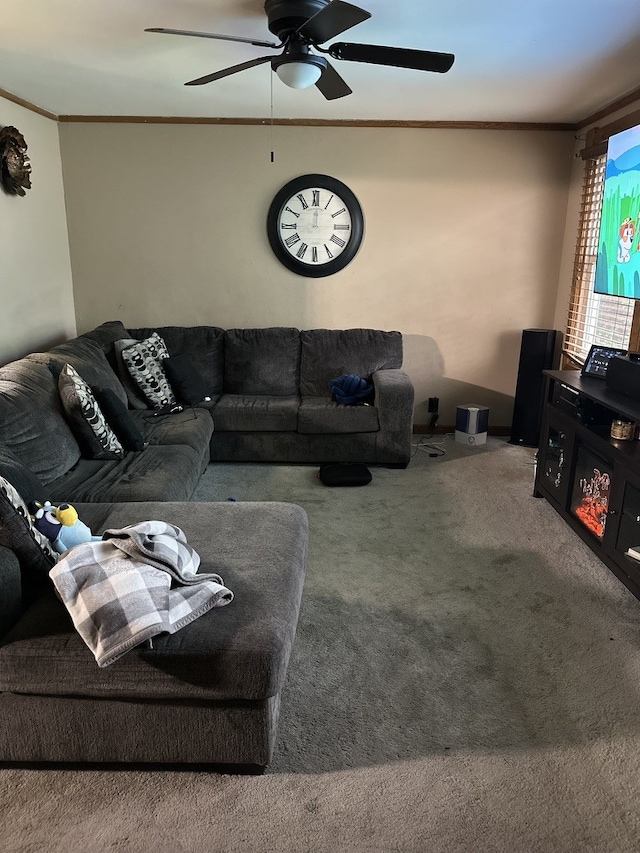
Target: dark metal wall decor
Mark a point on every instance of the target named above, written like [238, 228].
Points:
[15, 166]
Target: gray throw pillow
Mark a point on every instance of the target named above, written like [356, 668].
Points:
[17, 532]
[144, 363]
[94, 435]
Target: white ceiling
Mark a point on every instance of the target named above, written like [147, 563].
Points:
[516, 60]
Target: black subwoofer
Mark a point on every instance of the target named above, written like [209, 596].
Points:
[540, 350]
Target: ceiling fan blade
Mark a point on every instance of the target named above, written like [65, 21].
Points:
[331, 84]
[226, 72]
[167, 31]
[329, 22]
[399, 57]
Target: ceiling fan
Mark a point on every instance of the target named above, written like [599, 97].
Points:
[302, 25]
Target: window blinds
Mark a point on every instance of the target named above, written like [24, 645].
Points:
[593, 318]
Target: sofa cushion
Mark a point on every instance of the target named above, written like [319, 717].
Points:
[119, 419]
[89, 359]
[144, 363]
[33, 550]
[94, 435]
[107, 333]
[262, 361]
[322, 415]
[256, 413]
[236, 652]
[20, 476]
[157, 473]
[11, 601]
[203, 344]
[32, 422]
[328, 353]
[192, 427]
[112, 336]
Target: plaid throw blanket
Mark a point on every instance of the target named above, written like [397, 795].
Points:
[138, 582]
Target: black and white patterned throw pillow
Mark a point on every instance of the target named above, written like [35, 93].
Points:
[144, 363]
[94, 435]
[17, 532]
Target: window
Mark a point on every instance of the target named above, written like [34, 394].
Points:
[593, 318]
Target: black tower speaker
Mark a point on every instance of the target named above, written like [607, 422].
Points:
[540, 350]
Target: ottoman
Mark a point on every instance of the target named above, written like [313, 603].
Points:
[208, 694]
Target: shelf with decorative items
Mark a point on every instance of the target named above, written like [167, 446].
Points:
[588, 467]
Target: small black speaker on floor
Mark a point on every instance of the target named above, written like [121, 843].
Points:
[540, 350]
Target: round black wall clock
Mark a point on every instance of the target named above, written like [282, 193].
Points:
[315, 225]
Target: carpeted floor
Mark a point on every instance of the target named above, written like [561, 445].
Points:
[465, 677]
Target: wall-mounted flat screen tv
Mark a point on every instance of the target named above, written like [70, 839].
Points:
[618, 262]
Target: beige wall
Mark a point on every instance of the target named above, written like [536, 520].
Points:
[464, 232]
[35, 270]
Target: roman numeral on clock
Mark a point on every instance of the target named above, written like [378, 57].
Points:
[292, 226]
[300, 198]
[340, 227]
[328, 251]
[314, 254]
[316, 198]
[288, 209]
[338, 212]
[301, 251]
[338, 241]
[291, 241]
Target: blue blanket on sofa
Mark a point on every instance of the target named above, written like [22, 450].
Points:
[350, 390]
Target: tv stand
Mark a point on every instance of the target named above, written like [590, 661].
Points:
[592, 480]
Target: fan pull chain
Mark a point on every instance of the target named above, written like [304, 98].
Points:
[272, 155]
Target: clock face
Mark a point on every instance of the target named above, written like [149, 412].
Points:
[315, 225]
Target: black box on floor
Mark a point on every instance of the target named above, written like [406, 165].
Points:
[345, 474]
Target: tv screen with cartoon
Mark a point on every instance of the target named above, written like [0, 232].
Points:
[618, 262]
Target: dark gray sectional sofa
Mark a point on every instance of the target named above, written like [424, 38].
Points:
[209, 693]
[271, 400]
[34, 427]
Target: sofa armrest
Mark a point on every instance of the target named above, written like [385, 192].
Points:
[10, 591]
[394, 395]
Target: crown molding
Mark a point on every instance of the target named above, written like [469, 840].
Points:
[290, 122]
[622, 102]
[302, 122]
[598, 137]
[27, 105]
[609, 109]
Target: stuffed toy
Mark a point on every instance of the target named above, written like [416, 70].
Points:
[61, 525]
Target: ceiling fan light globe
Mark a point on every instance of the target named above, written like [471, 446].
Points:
[299, 75]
